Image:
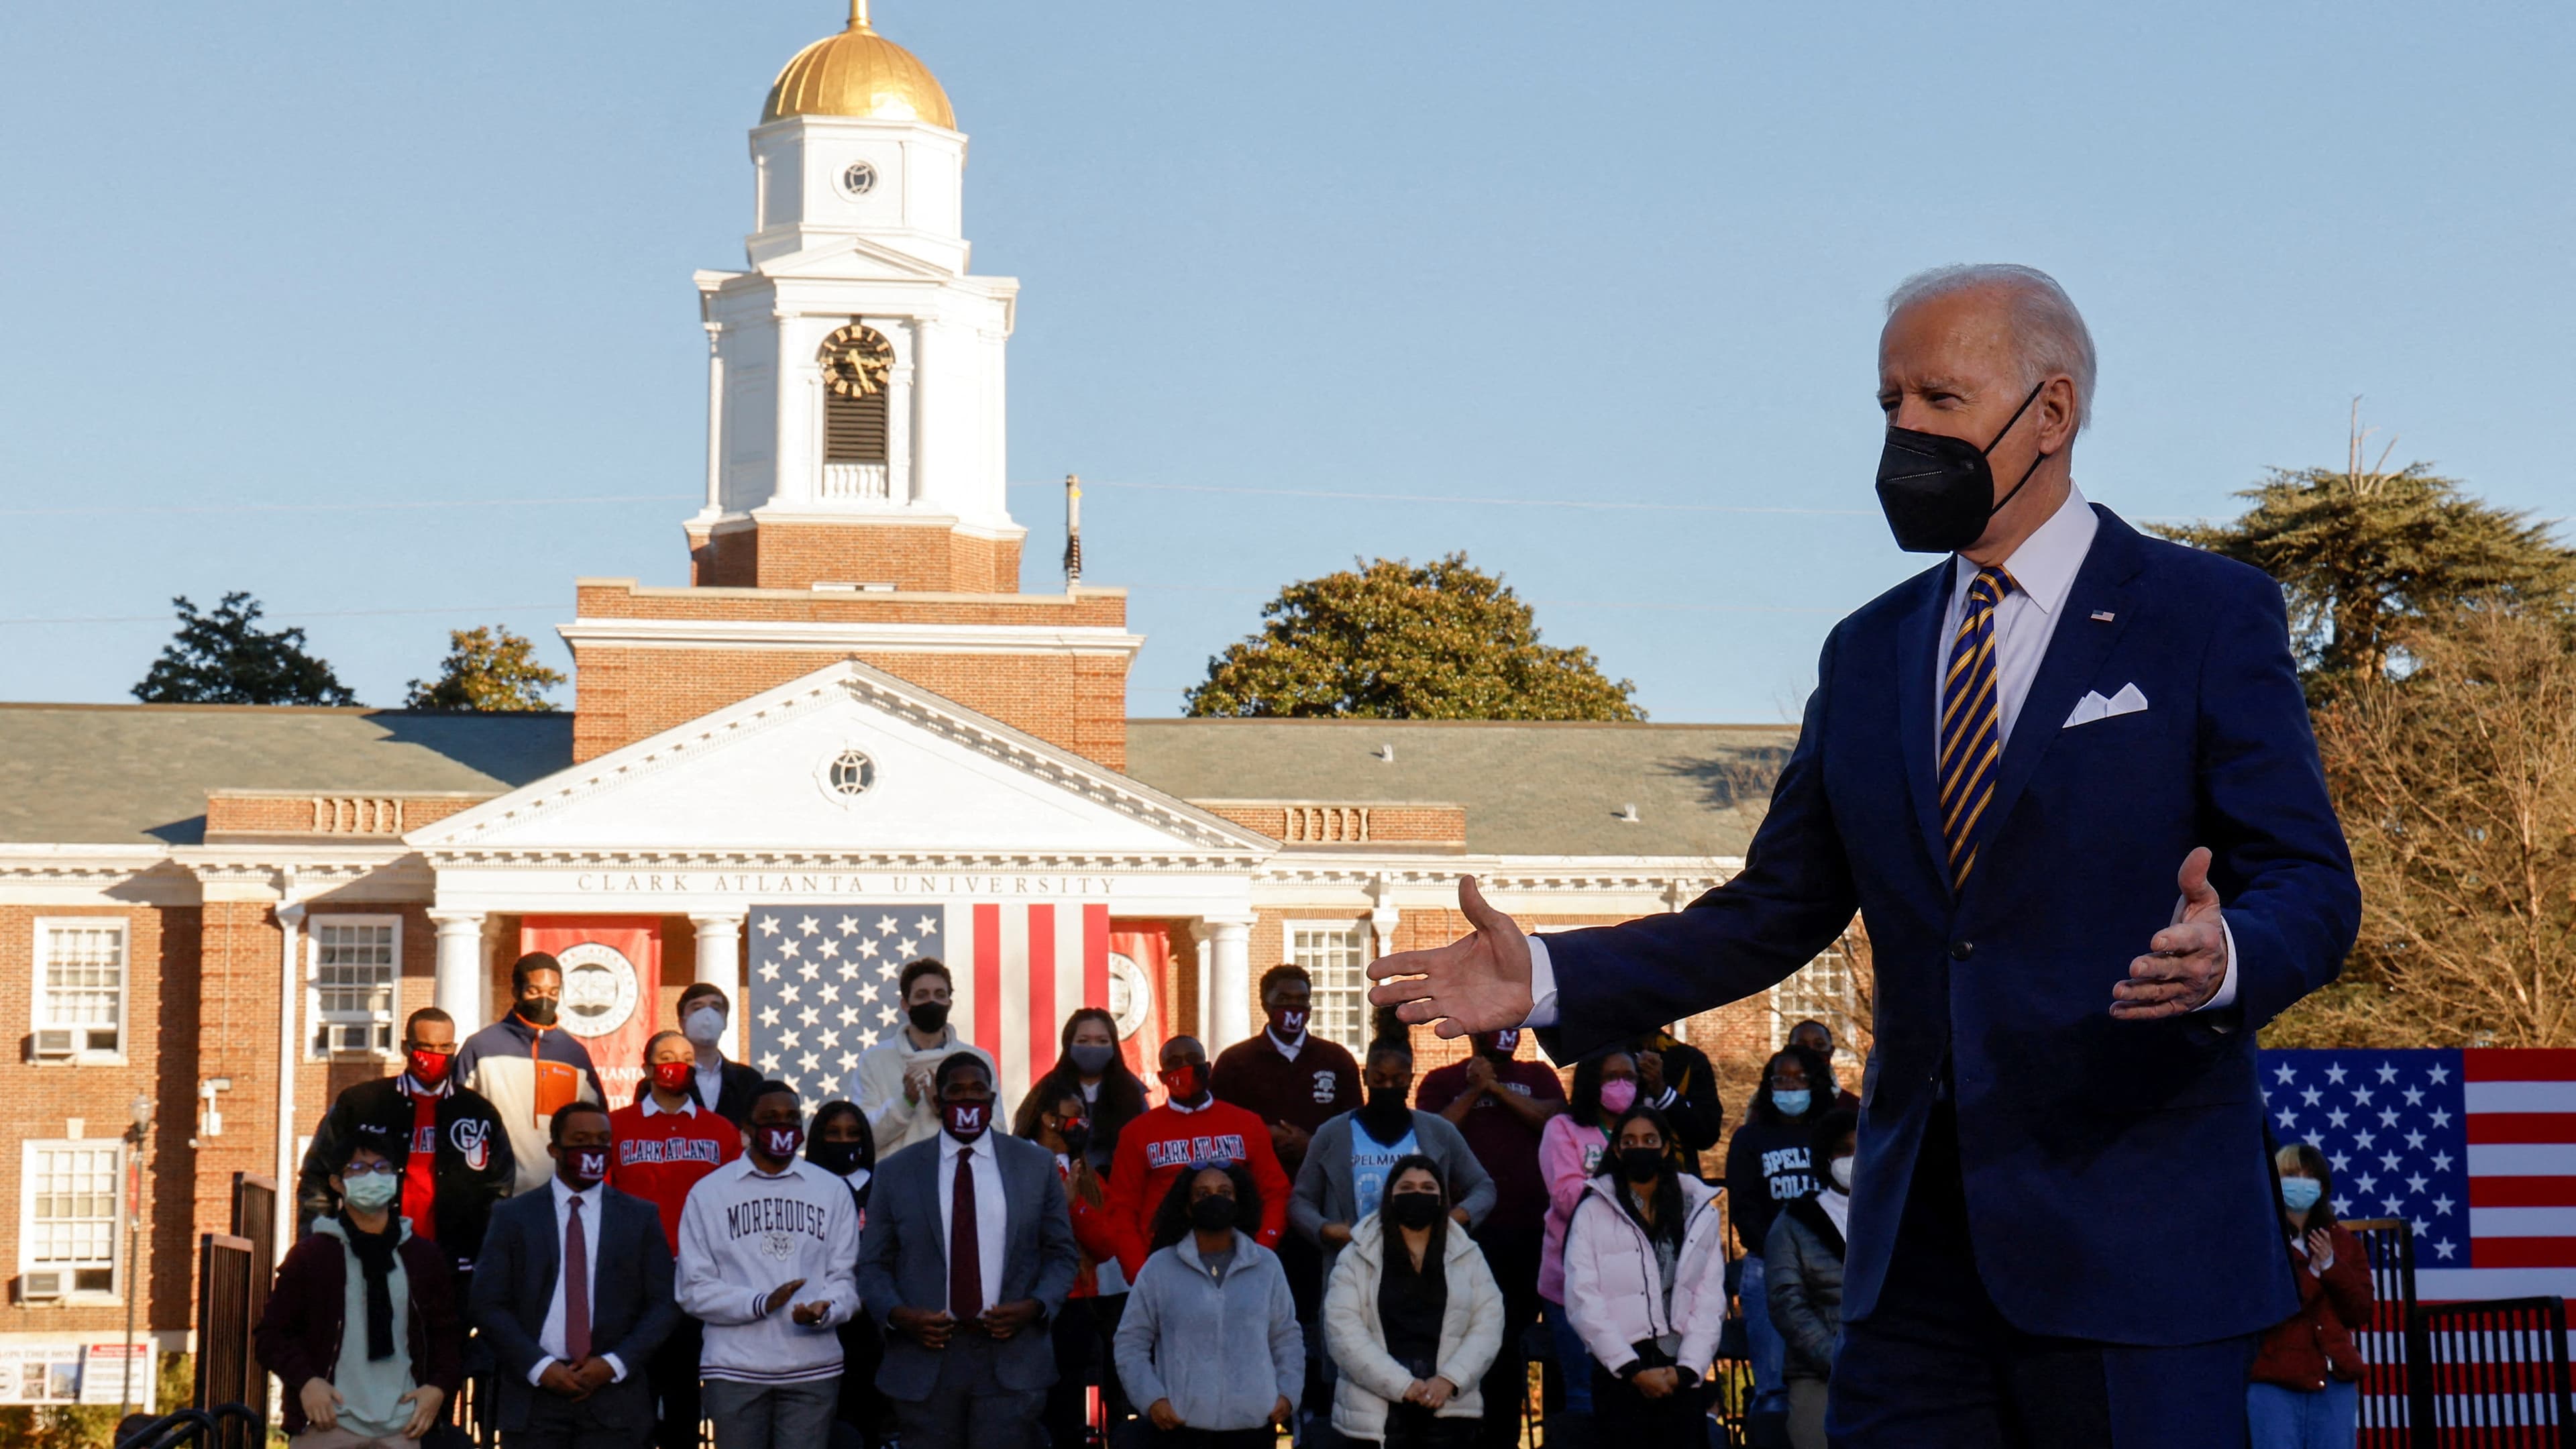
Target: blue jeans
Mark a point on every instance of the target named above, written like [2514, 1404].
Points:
[1770, 1351]
[1573, 1362]
[2326, 1418]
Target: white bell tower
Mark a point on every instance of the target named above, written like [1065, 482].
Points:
[855, 371]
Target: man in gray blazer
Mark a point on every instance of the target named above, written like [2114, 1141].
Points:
[571, 1330]
[968, 1357]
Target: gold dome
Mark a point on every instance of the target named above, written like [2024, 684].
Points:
[858, 73]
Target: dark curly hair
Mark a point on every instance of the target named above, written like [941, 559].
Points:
[1172, 1219]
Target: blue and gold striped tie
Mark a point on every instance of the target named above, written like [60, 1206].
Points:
[1971, 722]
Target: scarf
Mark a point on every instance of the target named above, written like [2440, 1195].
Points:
[375, 1255]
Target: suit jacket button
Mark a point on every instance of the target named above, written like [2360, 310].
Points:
[1962, 950]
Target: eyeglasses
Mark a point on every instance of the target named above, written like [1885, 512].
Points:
[371, 1169]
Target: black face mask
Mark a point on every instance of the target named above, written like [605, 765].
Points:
[1413, 1209]
[837, 1158]
[1641, 1164]
[1077, 1137]
[537, 1010]
[927, 1016]
[1938, 491]
[1385, 1115]
[1213, 1213]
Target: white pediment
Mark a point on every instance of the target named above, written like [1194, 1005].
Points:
[918, 776]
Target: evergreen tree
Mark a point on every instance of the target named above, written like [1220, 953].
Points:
[2363, 553]
[487, 669]
[224, 657]
[1393, 641]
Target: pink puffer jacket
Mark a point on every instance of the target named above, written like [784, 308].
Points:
[1613, 1293]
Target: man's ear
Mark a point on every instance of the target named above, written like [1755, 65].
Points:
[2057, 420]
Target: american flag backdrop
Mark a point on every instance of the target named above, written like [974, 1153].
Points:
[2475, 1147]
[821, 981]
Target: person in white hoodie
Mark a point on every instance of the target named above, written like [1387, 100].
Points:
[1413, 1319]
[768, 1248]
[892, 1082]
[1645, 1286]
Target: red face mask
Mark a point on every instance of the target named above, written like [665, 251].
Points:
[429, 1068]
[673, 1076]
[1182, 1083]
[585, 1167]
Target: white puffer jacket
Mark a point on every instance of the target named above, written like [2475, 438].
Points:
[1613, 1294]
[1368, 1378]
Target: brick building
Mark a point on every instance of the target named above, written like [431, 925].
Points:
[228, 911]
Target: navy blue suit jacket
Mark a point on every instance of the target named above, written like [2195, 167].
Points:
[2115, 1172]
[631, 1307]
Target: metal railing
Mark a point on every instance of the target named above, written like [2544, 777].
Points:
[220, 1424]
[2497, 1373]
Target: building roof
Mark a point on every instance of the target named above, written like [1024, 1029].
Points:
[1529, 789]
[138, 774]
[127, 774]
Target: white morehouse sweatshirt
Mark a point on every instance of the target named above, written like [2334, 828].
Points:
[743, 1233]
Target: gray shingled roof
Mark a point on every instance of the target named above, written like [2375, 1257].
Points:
[1529, 789]
[138, 774]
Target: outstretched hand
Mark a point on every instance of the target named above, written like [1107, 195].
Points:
[1480, 982]
[2186, 961]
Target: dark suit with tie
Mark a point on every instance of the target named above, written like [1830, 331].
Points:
[2063, 1228]
[976, 1390]
[631, 1312]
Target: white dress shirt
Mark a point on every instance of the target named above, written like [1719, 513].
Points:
[990, 1210]
[551, 1337]
[710, 1081]
[2043, 571]
[654, 1108]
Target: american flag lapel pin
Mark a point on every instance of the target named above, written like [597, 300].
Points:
[2103, 616]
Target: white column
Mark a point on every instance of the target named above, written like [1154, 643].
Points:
[925, 474]
[1229, 969]
[719, 955]
[715, 421]
[290, 1044]
[458, 988]
[899, 413]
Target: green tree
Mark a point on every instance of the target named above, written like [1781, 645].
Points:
[1393, 641]
[225, 658]
[487, 669]
[2362, 552]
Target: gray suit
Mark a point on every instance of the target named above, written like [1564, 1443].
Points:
[976, 1390]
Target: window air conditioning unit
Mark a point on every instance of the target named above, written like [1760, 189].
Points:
[54, 1045]
[40, 1287]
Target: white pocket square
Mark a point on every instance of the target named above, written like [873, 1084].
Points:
[2093, 706]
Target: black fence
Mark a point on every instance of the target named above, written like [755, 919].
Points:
[2498, 1374]
[229, 1272]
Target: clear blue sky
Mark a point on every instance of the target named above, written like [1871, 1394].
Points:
[300, 254]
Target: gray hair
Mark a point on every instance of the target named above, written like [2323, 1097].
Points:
[2048, 331]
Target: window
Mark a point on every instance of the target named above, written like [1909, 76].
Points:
[1821, 991]
[80, 989]
[1336, 955]
[70, 1212]
[355, 962]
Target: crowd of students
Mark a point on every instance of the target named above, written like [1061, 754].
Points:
[1290, 1232]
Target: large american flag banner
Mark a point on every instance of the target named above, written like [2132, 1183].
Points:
[2475, 1147]
[821, 984]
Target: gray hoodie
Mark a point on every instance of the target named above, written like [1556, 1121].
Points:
[1224, 1352]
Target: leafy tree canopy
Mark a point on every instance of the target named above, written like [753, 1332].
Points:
[2361, 553]
[224, 657]
[1390, 640]
[487, 669]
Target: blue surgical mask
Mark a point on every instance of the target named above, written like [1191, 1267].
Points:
[1792, 1103]
[2299, 1194]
